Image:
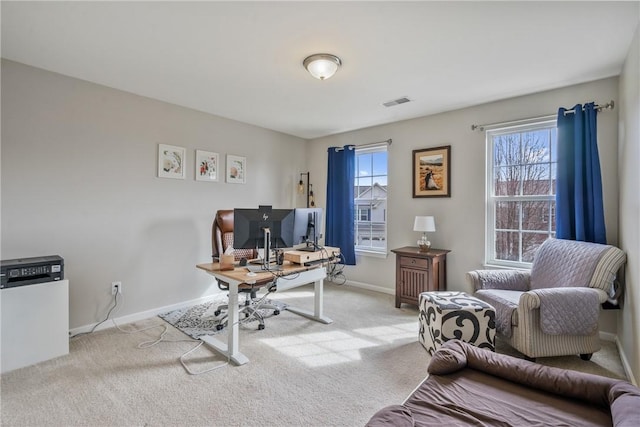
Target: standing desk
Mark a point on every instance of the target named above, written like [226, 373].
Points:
[291, 276]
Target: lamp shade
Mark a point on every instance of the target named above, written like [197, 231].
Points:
[424, 223]
[322, 65]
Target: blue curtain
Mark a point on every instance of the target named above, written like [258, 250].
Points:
[579, 206]
[340, 209]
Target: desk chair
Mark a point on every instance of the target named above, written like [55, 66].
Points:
[221, 239]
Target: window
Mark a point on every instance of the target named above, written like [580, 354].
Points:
[521, 179]
[370, 199]
[364, 214]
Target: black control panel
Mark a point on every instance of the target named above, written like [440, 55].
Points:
[29, 271]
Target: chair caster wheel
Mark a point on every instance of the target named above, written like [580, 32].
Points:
[586, 356]
[216, 313]
[260, 327]
[276, 312]
[219, 327]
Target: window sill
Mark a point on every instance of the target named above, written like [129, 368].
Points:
[371, 254]
[489, 266]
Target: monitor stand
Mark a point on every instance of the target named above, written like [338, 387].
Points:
[267, 264]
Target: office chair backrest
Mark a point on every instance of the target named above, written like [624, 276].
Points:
[222, 236]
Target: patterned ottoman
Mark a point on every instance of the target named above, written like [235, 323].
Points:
[455, 315]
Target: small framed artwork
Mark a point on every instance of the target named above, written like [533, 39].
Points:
[207, 166]
[432, 172]
[171, 161]
[236, 169]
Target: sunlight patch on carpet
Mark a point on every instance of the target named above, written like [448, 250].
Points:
[322, 348]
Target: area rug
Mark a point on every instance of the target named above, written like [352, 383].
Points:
[199, 320]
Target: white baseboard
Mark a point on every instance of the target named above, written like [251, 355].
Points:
[608, 336]
[369, 287]
[625, 364]
[134, 317]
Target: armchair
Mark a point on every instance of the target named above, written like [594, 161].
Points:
[221, 239]
[553, 309]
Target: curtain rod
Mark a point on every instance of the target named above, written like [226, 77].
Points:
[370, 144]
[608, 106]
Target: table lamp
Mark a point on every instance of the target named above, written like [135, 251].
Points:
[424, 224]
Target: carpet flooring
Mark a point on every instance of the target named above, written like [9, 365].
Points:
[300, 372]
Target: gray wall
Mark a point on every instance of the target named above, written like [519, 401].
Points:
[629, 155]
[79, 179]
[460, 218]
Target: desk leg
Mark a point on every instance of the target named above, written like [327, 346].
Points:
[317, 305]
[231, 348]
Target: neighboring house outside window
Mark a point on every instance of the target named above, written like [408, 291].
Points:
[370, 199]
[521, 181]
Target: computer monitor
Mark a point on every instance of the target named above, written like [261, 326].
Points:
[307, 228]
[263, 228]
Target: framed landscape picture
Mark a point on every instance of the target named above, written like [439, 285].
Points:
[171, 161]
[432, 172]
[236, 169]
[207, 166]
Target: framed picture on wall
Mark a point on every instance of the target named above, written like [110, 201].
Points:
[236, 169]
[171, 161]
[207, 166]
[432, 172]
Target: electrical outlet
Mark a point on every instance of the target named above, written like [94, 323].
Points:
[116, 288]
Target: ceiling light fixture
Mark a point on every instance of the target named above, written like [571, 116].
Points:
[322, 65]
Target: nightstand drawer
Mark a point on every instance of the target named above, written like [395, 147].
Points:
[406, 261]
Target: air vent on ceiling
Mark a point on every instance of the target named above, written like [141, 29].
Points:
[396, 102]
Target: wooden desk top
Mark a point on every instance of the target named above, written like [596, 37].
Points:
[240, 273]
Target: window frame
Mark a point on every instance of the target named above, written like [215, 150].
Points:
[364, 249]
[492, 200]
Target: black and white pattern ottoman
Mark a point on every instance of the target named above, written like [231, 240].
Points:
[446, 316]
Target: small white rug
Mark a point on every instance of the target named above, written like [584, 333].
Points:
[199, 320]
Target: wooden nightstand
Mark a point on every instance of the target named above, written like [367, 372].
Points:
[418, 272]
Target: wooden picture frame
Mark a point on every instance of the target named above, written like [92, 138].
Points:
[171, 161]
[236, 169]
[207, 166]
[432, 172]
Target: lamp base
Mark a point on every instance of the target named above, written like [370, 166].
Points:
[424, 245]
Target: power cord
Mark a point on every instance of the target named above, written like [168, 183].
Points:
[115, 304]
[161, 338]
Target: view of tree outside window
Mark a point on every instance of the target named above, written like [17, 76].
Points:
[370, 199]
[521, 193]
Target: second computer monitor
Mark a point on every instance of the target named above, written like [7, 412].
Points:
[307, 228]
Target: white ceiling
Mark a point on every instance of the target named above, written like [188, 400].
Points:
[243, 60]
